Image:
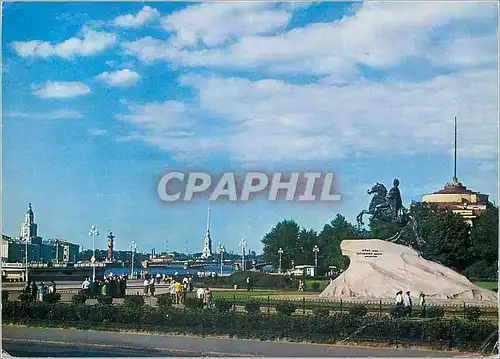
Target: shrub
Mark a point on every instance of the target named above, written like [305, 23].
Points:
[434, 312]
[315, 286]
[104, 299]
[472, 313]
[52, 298]
[163, 300]
[133, 301]
[223, 305]
[25, 297]
[286, 308]
[79, 299]
[252, 306]
[5, 295]
[193, 303]
[358, 310]
[321, 312]
[397, 311]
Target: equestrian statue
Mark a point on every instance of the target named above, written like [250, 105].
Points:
[389, 206]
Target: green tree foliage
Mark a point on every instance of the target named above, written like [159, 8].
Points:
[284, 235]
[329, 241]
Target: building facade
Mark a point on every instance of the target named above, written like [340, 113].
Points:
[29, 228]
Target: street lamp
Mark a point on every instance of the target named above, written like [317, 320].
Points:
[26, 259]
[316, 250]
[280, 252]
[133, 247]
[93, 232]
[243, 245]
[221, 250]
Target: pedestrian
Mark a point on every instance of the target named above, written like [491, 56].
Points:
[146, 286]
[248, 284]
[41, 292]
[190, 284]
[34, 291]
[178, 288]
[301, 285]
[422, 305]
[152, 286]
[208, 297]
[407, 304]
[158, 278]
[173, 297]
[104, 288]
[54, 289]
[200, 293]
[399, 298]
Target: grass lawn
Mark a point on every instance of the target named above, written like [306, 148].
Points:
[488, 285]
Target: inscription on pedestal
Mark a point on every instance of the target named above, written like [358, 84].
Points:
[369, 253]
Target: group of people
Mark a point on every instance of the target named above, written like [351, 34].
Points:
[405, 302]
[112, 285]
[38, 292]
[206, 295]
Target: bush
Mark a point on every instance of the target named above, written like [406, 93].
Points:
[105, 299]
[321, 312]
[397, 311]
[315, 286]
[252, 306]
[286, 308]
[434, 312]
[79, 299]
[223, 305]
[5, 295]
[133, 301]
[472, 313]
[193, 303]
[52, 298]
[164, 300]
[25, 297]
[358, 310]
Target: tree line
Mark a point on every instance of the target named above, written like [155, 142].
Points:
[449, 240]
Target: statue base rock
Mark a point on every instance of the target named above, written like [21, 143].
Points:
[378, 269]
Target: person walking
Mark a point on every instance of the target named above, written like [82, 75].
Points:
[208, 297]
[399, 298]
[249, 284]
[173, 297]
[146, 286]
[422, 305]
[41, 292]
[34, 291]
[85, 287]
[152, 286]
[407, 304]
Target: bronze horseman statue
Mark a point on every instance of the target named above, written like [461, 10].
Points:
[389, 206]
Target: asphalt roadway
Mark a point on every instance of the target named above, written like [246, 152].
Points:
[52, 342]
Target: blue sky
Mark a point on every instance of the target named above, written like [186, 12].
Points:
[101, 99]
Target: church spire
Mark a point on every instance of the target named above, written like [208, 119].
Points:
[208, 218]
[207, 241]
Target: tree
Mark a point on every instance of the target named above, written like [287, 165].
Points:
[484, 236]
[447, 240]
[329, 242]
[284, 235]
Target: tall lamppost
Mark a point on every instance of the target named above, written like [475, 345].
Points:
[133, 248]
[280, 252]
[243, 245]
[93, 232]
[221, 250]
[315, 250]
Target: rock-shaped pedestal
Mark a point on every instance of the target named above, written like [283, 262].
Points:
[378, 269]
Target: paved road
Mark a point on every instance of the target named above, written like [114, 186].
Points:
[61, 342]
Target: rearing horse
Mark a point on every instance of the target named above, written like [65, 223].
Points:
[379, 202]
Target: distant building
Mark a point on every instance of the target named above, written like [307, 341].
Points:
[456, 197]
[64, 251]
[29, 227]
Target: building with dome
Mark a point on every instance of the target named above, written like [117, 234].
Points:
[29, 227]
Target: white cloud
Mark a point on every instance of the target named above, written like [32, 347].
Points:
[145, 16]
[379, 35]
[53, 115]
[120, 78]
[55, 89]
[90, 43]
[159, 116]
[271, 120]
[97, 132]
[215, 23]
